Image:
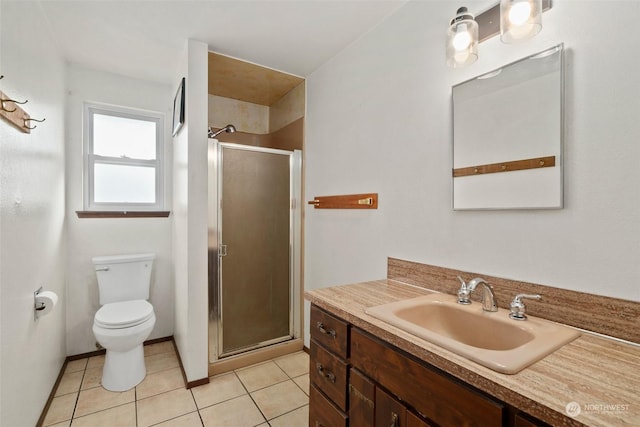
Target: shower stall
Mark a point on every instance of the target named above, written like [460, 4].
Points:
[254, 247]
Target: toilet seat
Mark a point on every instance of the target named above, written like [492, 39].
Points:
[125, 314]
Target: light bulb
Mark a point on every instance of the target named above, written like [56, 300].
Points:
[462, 39]
[520, 13]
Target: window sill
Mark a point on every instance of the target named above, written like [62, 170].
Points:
[123, 214]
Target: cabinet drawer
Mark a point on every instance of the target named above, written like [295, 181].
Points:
[330, 331]
[329, 374]
[322, 413]
[439, 398]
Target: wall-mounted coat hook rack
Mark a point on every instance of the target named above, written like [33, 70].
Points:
[11, 111]
[349, 201]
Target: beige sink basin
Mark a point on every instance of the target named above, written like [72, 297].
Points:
[490, 339]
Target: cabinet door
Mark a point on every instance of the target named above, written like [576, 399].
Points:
[389, 412]
[414, 421]
[440, 398]
[361, 400]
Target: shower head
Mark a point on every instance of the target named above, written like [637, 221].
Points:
[227, 129]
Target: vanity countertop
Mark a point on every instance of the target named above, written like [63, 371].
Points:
[601, 375]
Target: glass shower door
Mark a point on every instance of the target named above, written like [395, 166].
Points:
[255, 275]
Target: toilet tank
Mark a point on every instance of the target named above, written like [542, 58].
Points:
[123, 277]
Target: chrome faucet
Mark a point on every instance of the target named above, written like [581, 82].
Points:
[518, 309]
[488, 297]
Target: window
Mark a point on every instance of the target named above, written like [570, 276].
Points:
[123, 159]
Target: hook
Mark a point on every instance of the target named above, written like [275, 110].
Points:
[1, 76]
[2, 101]
[31, 120]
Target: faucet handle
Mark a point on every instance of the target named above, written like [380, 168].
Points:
[518, 309]
[463, 293]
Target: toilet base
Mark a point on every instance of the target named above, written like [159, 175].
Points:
[123, 370]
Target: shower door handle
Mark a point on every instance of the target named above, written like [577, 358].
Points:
[223, 250]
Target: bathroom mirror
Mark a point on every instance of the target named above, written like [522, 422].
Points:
[507, 136]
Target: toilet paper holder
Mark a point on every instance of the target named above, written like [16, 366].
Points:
[37, 307]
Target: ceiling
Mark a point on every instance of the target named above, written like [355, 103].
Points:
[145, 39]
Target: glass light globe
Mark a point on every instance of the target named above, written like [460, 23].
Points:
[462, 39]
[520, 19]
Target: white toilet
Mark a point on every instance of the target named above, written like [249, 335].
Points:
[125, 319]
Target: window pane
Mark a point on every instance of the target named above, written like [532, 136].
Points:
[124, 184]
[120, 136]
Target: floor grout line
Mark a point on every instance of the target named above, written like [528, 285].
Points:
[198, 410]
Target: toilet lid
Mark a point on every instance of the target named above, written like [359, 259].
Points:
[124, 314]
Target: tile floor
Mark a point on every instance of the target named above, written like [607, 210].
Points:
[273, 393]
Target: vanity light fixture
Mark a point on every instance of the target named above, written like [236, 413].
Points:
[462, 39]
[519, 19]
[514, 20]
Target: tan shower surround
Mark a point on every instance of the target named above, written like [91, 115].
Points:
[254, 118]
[266, 106]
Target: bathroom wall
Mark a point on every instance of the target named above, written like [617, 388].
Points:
[190, 216]
[379, 120]
[89, 237]
[32, 216]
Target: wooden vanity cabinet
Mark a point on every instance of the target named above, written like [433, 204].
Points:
[358, 380]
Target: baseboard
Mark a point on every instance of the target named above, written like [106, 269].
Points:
[47, 405]
[188, 384]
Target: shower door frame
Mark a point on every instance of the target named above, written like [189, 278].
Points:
[215, 171]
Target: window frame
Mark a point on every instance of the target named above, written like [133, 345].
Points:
[91, 159]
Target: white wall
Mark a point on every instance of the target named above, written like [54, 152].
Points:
[89, 237]
[190, 215]
[32, 214]
[379, 120]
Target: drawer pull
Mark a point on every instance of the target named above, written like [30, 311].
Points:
[331, 332]
[327, 374]
[318, 424]
[394, 419]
